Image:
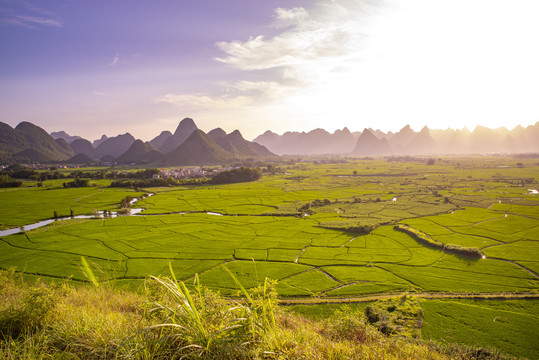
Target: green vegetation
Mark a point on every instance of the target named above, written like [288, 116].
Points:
[508, 325]
[170, 319]
[321, 231]
[27, 205]
[243, 174]
[425, 239]
[8, 181]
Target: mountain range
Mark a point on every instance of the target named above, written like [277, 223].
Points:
[189, 145]
[405, 142]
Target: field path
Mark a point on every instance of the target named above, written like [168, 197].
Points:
[424, 295]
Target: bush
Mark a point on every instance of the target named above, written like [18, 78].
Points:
[26, 311]
[243, 174]
[450, 248]
[8, 181]
[77, 183]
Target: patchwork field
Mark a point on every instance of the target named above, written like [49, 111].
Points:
[509, 325]
[322, 230]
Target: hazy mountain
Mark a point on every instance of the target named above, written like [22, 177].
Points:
[115, 146]
[140, 153]
[217, 133]
[422, 143]
[342, 141]
[484, 140]
[197, 149]
[235, 144]
[185, 128]
[510, 144]
[108, 159]
[83, 146]
[30, 143]
[369, 144]
[63, 135]
[403, 138]
[527, 137]
[317, 141]
[270, 140]
[457, 143]
[160, 139]
[262, 150]
[64, 145]
[98, 142]
[80, 159]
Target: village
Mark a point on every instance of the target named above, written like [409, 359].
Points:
[194, 172]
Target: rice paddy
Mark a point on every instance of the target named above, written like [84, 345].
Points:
[320, 230]
[266, 231]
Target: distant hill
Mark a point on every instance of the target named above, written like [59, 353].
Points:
[140, 153]
[115, 146]
[236, 145]
[369, 144]
[185, 128]
[217, 133]
[30, 143]
[422, 143]
[160, 139]
[406, 141]
[197, 149]
[83, 146]
[108, 159]
[63, 135]
[98, 142]
[80, 159]
[317, 141]
[64, 145]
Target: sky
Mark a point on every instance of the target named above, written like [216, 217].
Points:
[115, 66]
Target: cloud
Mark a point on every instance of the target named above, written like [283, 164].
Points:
[312, 45]
[287, 17]
[326, 33]
[25, 14]
[204, 102]
[115, 61]
[31, 21]
[101, 93]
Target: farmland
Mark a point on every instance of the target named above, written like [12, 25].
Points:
[320, 230]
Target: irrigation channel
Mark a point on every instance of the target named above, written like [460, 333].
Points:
[422, 295]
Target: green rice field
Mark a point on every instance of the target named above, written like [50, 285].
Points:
[320, 230]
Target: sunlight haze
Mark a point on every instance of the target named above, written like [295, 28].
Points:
[104, 67]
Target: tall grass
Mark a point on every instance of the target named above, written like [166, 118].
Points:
[228, 328]
[170, 319]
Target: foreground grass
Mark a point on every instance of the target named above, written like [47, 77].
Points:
[167, 320]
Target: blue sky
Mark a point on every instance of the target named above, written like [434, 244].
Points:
[94, 67]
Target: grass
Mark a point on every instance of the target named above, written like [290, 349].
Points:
[510, 326]
[171, 319]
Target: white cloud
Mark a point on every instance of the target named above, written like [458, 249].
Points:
[115, 61]
[287, 17]
[203, 102]
[312, 38]
[22, 13]
[31, 21]
[384, 64]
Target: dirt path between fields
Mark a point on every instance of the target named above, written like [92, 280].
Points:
[369, 298]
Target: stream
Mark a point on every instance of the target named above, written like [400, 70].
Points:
[97, 215]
